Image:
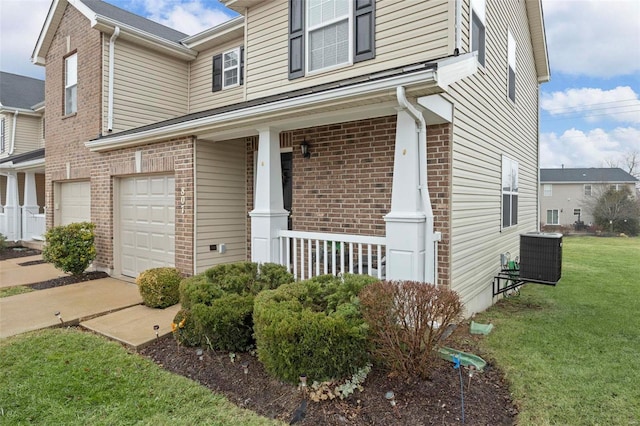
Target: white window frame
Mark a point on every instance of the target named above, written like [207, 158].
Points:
[308, 29]
[231, 68]
[511, 65]
[71, 87]
[548, 190]
[509, 173]
[589, 191]
[557, 217]
[615, 186]
[478, 7]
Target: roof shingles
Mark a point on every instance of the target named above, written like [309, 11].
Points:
[592, 174]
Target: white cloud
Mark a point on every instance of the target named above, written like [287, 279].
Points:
[189, 17]
[20, 25]
[598, 38]
[575, 148]
[620, 104]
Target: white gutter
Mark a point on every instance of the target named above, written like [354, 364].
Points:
[430, 261]
[458, 28]
[384, 86]
[13, 132]
[112, 60]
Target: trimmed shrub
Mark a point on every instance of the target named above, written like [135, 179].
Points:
[312, 327]
[159, 287]
[70, 248]
[227, 322]
[184, 329]
[198, 289]
[221, 301]
[406, 320]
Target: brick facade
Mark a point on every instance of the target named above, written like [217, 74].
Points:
[68, 159]
[345, 187]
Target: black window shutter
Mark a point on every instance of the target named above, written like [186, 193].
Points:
[217, 73]
[296, 39]
[241, 65]
[364, 30]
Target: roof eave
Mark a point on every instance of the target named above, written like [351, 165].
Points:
[127, 32]
[448, 71]
[219, 33]
[535, 16]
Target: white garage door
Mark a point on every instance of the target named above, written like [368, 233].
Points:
[75, 202]
[147, 223]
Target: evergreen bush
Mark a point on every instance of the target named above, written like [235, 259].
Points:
[159, 287]
[70, 248]
[312, 327]
[220, 301]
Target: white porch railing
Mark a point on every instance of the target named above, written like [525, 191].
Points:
[309, 254]
[33, 224]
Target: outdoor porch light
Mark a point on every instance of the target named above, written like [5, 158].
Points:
[304, 148]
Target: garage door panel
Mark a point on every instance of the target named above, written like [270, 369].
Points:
[147, 223]
[74, 202]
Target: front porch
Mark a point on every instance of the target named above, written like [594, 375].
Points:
[22, 215]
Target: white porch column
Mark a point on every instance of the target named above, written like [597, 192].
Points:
[30, 207]
[11, 208]
[405, 223]
[268, 215]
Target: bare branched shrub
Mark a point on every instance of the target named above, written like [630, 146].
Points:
[406, 320]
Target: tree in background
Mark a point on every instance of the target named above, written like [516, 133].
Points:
[615, 210]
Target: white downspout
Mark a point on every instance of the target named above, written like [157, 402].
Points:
[112, 60]
[430, 261]
[13, 132]
[458, 29]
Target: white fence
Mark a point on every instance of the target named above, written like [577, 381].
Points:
[309, 254]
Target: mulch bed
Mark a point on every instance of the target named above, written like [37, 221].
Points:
[436, 401]
[420, 402]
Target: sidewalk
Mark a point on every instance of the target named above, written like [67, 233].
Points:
[106, 306]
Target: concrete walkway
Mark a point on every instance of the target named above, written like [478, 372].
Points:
[107, 306]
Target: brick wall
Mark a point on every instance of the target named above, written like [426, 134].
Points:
[345, 187]
[66, 136]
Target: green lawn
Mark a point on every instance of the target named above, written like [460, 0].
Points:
[67, 377]
[12, 291]
[572, 353]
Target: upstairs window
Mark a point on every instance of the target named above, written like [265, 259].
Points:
[327, 33]
[548, 190]
[587, 190]
[478, 29]
[509, 192]
[228, 69]
[2, 135]
[71, 84]
[511, 67]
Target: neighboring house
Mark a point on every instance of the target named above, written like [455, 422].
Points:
[405, 130]
[22, 194]
[564, 193]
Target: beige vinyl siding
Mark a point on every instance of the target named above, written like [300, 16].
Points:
[221, 205]
[148, 86]
[201, 96]
[28, 134]
[406, 32]
[487, 126]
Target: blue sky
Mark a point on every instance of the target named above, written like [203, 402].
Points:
[590, 111]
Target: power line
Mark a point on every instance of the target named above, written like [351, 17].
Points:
[586, 106]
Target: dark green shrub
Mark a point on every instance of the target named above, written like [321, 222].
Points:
[406, 321]
[198, 289]
[184, 329]
[227, 322]
[3, 242]
[159, 287]
[70, 248]
[312, 327]
[221, 301]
